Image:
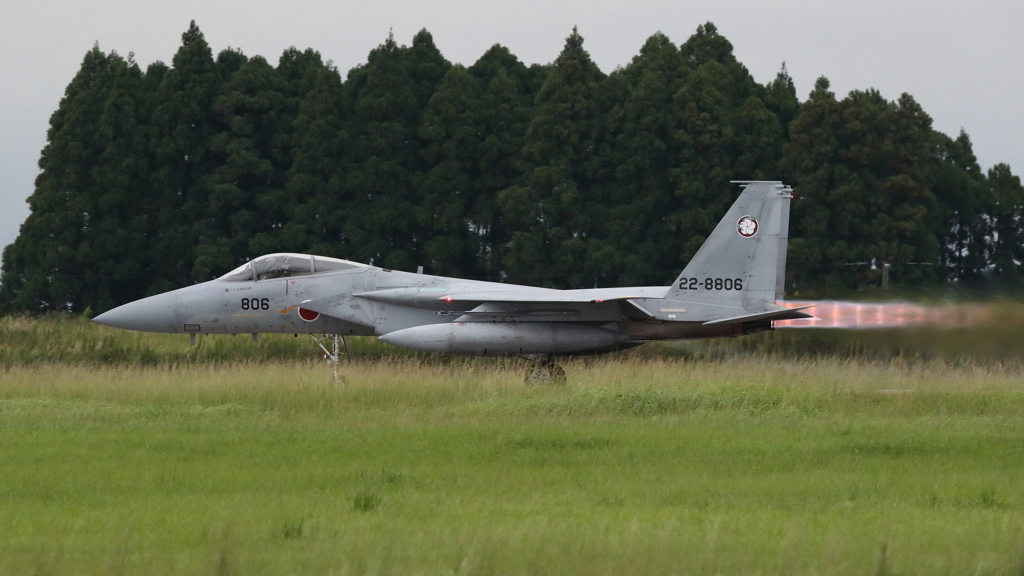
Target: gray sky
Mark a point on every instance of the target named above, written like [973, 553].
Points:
[961, 61]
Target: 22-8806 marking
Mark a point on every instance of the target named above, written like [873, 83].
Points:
[711, 284]
[255, 304]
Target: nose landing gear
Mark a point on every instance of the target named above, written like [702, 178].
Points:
[333, 355]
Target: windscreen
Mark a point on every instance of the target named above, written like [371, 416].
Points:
[283, 266]
[241, 274]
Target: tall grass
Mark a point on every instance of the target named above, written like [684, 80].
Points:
[70, 339]
[628, 386]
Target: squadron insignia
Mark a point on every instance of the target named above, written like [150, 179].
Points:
[746, 226]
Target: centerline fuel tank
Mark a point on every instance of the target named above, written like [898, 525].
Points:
[500, 338]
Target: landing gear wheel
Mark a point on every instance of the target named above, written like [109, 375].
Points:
[545, 373]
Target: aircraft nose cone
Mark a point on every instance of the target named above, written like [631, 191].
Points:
[154, 314]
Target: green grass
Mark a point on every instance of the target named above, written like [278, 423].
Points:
[749, 465]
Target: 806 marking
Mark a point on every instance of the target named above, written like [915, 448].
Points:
[711, 284]
[255, 303]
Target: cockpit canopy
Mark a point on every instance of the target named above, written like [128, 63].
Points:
[285, 265]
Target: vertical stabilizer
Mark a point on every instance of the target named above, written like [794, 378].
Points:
[743, 261]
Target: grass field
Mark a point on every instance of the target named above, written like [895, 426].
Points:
[640, 465]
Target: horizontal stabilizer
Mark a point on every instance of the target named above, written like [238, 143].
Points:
[787, 314]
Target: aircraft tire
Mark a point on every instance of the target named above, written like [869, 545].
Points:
[544, 373]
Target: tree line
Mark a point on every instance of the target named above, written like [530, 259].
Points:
[555, 175]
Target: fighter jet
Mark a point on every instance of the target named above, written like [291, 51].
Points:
[729, 288]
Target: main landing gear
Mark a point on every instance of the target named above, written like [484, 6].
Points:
[333, 355]
[543, 370]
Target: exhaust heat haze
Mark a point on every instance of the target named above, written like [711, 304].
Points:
[860, 315]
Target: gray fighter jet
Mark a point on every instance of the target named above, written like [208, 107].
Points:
[729, 288]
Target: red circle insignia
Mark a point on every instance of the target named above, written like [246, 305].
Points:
[746, 226]
[308, 315]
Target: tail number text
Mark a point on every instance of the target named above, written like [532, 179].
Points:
[711, 284]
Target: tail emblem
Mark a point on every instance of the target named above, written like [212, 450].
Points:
[746, 226]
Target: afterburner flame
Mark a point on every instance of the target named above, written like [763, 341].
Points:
[859, 315]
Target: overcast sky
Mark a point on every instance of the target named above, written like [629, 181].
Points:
[962, 61]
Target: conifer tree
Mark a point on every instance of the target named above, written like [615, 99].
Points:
[1007, 222]
[186, 123]
[115, 270]
[315, 188]
[388, 96]
[245, 191]
[452, 133]
[303, 73]
[722, 130]
[780, 98]
[640, 240]
[230, 61]
[963, 196]
[75, 250]
[809, 164]
[863, 168]
[546, 214]
[508, 89]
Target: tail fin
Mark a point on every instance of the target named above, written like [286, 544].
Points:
[743, 261]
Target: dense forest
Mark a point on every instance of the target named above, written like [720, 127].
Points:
[556, 175]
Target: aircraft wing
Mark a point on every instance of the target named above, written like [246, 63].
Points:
[520, 304]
